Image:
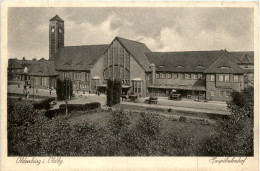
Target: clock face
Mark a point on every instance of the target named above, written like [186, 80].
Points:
[60, 30]
[52, 30]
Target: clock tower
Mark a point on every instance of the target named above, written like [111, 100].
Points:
[56, 36]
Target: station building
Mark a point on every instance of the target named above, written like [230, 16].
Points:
[213, 74]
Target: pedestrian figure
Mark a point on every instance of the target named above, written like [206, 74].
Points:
[50, 91]
[28, 95]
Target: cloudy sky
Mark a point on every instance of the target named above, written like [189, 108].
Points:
[161, 29]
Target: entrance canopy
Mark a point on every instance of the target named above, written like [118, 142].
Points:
[123, 86]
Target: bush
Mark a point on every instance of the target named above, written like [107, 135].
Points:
[110, 86]
[43, 104]
[183, 119]
[170, 110]
[117, 90]
[80, 107]
[118, 122]
[235, 134]
[52, 113]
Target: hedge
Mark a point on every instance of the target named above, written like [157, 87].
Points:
[80, 107]
[43, 104]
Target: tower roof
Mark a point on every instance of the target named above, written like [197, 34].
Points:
[57, 18]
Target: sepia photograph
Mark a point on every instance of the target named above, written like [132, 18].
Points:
[130, 82]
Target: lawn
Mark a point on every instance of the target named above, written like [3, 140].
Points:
[199, 131]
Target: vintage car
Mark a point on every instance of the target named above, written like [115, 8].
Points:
[201, 98]
[131, 98]
[152, 100]
[175, 97]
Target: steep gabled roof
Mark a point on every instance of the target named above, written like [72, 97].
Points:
[245, 57]
[137, 50]
[42, 68]
[78, 57]
[224, 66]
[187, 61]
[56, 18]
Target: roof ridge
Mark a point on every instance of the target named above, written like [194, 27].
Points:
[86, 45]
[130, 40]
[186, 51]
[232, 55]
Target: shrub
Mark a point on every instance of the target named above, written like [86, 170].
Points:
[59, 90]
[19, 112]
[235, 134]
[118, 122]
[117, 90]
[80, 107]
[183, 119]
[150, 125]
[110, 85]
[52, 113]
[170, 110]
[43, 104]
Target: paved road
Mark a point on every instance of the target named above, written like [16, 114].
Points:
[163, 102]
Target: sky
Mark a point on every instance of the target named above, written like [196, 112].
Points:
[161, 29]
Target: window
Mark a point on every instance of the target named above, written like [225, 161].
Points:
[200, 76]
[174, 76]
[212, 93]
[195, 76]
[220, 78]
[236, 78]
[188, 76]
[212, 77]
[226, 78]
[221, 93]
[182, 76]
[169, 75]
[163, 75]
[227, 93]
[157, 75]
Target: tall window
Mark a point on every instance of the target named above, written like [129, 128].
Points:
[212, 77]
[226, 78]
[195, 77]
[221, 93]
[200, 76]
[182, 76]
[188, 76]
[174, 75]
[236, 78]
[169, 76]
[157, 75]
[163, 75]
[220, 78]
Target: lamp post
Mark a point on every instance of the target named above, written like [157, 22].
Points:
[33, 89]
[66, 101]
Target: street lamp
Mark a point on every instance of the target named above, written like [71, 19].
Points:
[66, 101]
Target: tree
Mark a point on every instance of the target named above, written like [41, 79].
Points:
[64, 88]
[59, 90]
[67, 88]
[235, 134]
[117, 91]
[110, 85]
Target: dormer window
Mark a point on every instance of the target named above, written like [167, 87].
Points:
[199, 67]
[224, 67]
[161, 66]
[179, 66]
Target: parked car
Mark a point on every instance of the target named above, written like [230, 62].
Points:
[133, 98]
[152, 100]
[175, 97]
[201, 98]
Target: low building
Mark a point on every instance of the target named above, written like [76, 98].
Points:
[42, 74]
